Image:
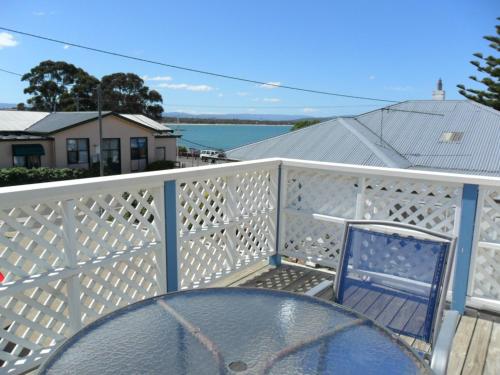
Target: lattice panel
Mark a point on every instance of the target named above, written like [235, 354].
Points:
[33, 321]
[111, 222]
[106, 242]
[107, 288]
[486, 273]
[225, 223]
[31, 240]
[207, 257]
[321, 192]
[312, 240]
[420, 203]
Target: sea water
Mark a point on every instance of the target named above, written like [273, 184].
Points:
[224, 136]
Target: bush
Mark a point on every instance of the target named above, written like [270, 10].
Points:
[304, 124]
[182, 149]
[160, 164]
[22, 176]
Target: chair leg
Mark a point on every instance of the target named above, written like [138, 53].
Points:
[442, 347]
[319, 288]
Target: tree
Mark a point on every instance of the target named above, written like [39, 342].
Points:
[56, 85]
[490, 67]
[21, 107]
[126, 93]
[303, 124]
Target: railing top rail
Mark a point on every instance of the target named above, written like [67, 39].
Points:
[9, 196]
[454, 178]
[61, 189]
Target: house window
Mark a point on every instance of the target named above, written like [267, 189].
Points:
[111, 154]
[27, 155]
[78, 150]
[138, 153]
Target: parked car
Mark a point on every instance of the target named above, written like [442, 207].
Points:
[209, 154]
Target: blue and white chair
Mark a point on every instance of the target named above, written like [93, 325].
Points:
[399, 274]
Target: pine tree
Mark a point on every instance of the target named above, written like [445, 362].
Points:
[490, 67]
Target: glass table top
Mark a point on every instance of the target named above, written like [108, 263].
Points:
[233, 331]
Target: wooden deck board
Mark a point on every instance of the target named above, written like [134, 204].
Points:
[476, 348]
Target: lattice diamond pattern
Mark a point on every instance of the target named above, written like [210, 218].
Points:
[32, 320]
[486, 275]
[312, 240]
[111, 222]
[30, 240]
[107, 288]
[225, 223]
[420, 203]
[321, 192]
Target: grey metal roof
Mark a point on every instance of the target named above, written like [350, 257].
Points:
[411, 133]
[22, 137]
[19, 120]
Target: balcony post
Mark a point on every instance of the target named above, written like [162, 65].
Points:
[170, 210]
[275, 260]
[465, 246]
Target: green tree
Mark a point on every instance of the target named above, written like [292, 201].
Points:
[21, 107]
[55, 85]
[303, 124]
[490, 67]
[126, 93]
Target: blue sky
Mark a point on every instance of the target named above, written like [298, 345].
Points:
[387, 49]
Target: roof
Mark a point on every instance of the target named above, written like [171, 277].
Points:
[411, 138]
[23, 137]
[46, 123]
[19, 120]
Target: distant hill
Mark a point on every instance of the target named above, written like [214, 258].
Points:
[236, 116]
[7, 105]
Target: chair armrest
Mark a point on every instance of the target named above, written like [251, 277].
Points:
[319, 288]
[442, 347]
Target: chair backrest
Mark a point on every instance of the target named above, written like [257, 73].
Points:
[396, 274]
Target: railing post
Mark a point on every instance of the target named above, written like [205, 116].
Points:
[170, 210]
[72, 283]
[275, 260]
[464, 246]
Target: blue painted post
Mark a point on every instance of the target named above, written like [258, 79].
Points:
[464, 246]
[275, 260]
[170, 202]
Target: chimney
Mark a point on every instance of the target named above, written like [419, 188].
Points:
[439, 93]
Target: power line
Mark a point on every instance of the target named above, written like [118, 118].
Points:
[8, 71]
[226, 76]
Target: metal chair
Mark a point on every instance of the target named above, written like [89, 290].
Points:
[400, 274]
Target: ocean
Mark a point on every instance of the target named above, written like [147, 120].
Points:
[224, 136]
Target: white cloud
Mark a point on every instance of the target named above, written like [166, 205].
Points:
[156, 78]
[310, 110]
[220, 95]
[270, 85]
[7, 40]
[251, 109]
[185, 86]
[39, 14]
[398, 88]
[242, 93]
[371, 78]
[272, 100]
[66, 46]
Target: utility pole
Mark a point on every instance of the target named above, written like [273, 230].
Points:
[99, 109]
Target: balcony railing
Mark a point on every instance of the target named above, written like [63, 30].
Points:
[73, 251]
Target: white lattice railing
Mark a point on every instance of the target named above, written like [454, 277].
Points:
[73, 251]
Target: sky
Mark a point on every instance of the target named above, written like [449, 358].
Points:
[394, 50]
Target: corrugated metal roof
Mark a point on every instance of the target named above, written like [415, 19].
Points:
[22, 137]
[409, 131]
[19, 120]
[60, 120]
[147, 122]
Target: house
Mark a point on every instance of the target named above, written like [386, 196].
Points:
[71, 139]
[445, 135]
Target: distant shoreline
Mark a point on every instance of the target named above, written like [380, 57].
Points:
[172, 124]
[214, 121]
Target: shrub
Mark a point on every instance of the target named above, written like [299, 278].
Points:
[22, 176]
[160, 164]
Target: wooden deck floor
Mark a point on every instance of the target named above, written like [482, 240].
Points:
[476, 348]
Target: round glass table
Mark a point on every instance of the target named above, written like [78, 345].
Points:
[233, 331]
